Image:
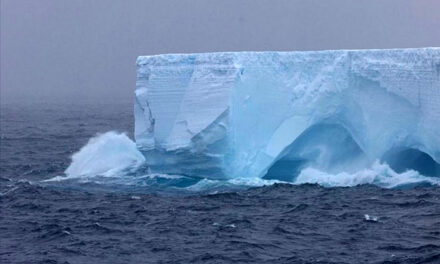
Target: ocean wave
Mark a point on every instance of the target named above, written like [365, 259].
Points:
[112, 159]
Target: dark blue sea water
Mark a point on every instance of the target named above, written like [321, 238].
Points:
[144, 218]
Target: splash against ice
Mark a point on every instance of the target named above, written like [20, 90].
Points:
[109, 154]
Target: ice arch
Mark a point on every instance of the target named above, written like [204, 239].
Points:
[325, 146]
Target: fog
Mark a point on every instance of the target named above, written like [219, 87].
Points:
[86, 50]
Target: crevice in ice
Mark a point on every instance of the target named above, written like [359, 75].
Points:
[403, 159]
[212, 138]
[144, 131]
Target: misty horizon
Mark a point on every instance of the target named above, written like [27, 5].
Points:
[83, 50]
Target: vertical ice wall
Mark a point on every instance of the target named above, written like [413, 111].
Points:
[247, 113]
[178, 96]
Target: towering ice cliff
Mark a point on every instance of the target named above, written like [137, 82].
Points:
[272, 114]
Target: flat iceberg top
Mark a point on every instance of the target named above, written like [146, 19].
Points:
[180, 59]
[257, 113]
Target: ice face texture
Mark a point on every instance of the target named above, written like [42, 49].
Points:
[272, 114]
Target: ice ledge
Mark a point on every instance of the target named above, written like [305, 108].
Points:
[215, 58]
[383, 99]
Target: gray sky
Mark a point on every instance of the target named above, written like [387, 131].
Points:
[86, 49]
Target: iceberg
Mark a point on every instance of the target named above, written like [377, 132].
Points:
[272, 115]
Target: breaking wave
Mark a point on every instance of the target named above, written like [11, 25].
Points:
[108, 154]
[113, 160]
[379, 174]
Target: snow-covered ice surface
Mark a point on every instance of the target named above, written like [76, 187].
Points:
[333, 117]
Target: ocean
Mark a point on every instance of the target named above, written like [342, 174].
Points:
[135, 216]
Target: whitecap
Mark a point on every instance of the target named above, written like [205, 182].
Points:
[379, 174]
